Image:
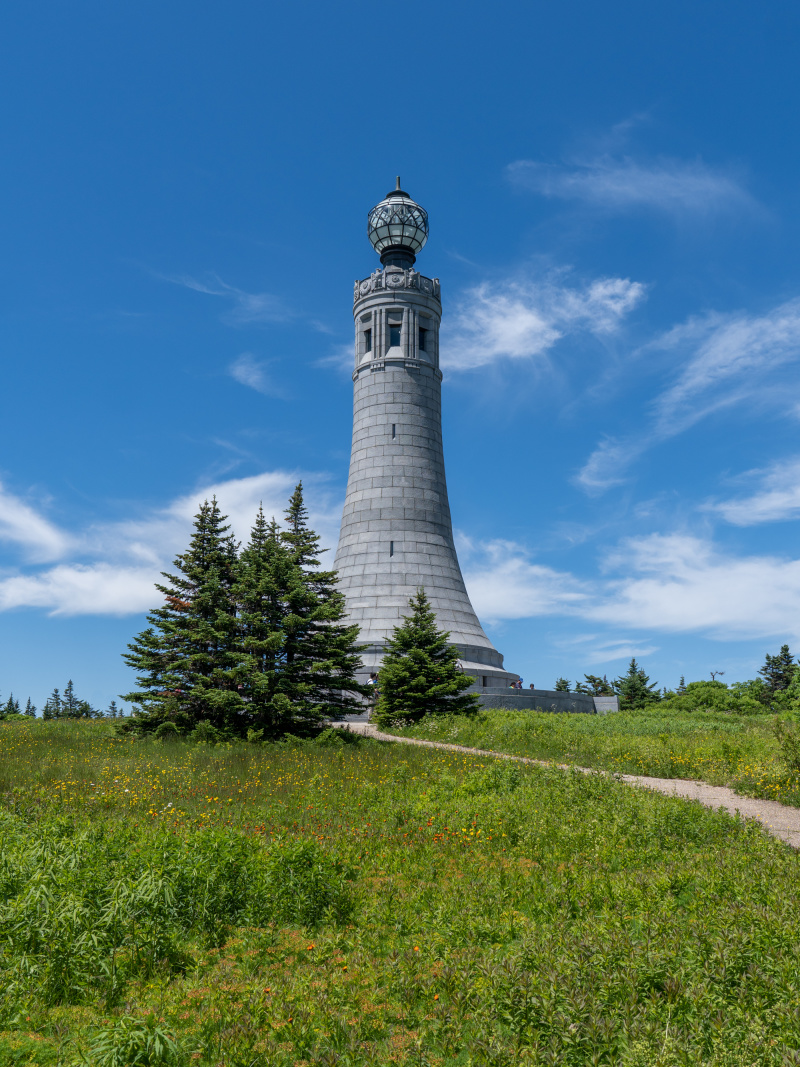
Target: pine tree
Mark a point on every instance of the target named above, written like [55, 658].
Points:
[420, 675]
[322, 652]
[186, 659]
[595, 685]
[778, 671]
[681, 685]
[11, 706]
[72, 707]
[30, 709]
[52, 706]
[562, 685]
[113, 712]
[635, 689]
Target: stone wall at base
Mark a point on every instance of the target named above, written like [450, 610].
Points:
[546, 700]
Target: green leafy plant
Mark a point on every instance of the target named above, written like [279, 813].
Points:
[301, 883]
[131, 1042]
[788, 737]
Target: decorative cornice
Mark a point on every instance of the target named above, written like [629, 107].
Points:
[394, 278]
[409, 364]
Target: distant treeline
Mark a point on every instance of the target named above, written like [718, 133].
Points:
[61, 706]
[777, 687]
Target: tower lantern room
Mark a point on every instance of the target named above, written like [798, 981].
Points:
[397, 228]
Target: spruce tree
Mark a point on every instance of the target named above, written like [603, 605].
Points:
[72, 707]
[52, 706]
[267, 578]
[778, 671]
[681, 685]
[562, 685]
[322, 652]
[113, 712]
[420, 675]
[186, 659]
[30, 709]
[635, 689]
[11, 706]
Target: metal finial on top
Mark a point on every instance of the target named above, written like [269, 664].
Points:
[398, 182]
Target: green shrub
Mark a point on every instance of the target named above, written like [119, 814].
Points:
[713, 696]
[789, 740]
[167, 731]
[83, 914]
[204, 733]
[302, 884]
[130, 1042]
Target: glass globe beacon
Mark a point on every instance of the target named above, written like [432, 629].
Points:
[397, 228]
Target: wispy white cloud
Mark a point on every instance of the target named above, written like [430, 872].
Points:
[776, 499]
[245, 307]
[608, 465]
[249, 371]
[727, 361]
[523, 318]
[504, 583]
[598, 648]
[22, 525]
[82, 589]
[683, 584]
[619, 184]
[669, 583]
[341, 359]
[111, 568]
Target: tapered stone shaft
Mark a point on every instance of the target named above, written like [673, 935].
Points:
[396, 534]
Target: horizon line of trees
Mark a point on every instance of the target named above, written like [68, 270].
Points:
[779, 683]
[61, 706]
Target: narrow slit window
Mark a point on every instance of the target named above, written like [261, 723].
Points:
[394, 335]
[423, 335]
[484, 681]
[391, 548]
[367, 340]
[394, 430]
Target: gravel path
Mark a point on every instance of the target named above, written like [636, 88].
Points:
[777, 819]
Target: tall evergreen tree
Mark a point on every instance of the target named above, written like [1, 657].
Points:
[778, 671]
[11, 706]
[267, 577]
[420, 675]
[30, 709]
[681, 685]
[635, 689]
[562, 685]
[52, 706]
[72, 707]
[113, 712]
[322, 652]
[187, 658]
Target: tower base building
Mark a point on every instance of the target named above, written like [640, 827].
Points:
[396, 532]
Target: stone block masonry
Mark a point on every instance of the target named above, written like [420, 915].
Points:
[547, 700]
[396, 532]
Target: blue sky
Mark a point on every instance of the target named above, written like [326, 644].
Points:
[613, 194]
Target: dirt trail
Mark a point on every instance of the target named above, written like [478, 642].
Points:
[777, 819]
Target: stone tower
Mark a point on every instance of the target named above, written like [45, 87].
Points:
[396, 531]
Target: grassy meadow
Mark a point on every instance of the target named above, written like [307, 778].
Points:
[739, 751]
[351, 902]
